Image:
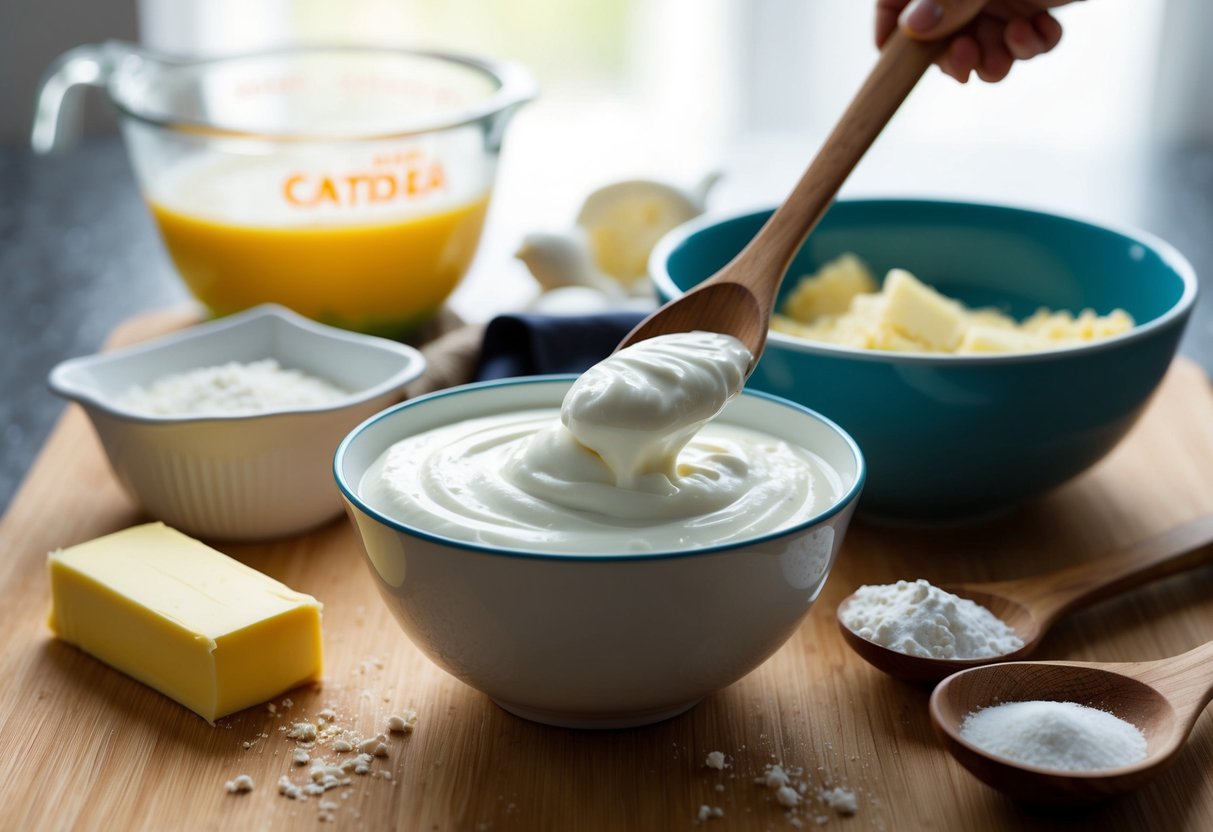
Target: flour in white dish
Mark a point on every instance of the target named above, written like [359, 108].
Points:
[231, 388]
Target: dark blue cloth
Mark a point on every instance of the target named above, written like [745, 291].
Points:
[529, 345]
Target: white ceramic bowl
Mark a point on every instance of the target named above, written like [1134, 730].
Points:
[599, 641]
[242, 477]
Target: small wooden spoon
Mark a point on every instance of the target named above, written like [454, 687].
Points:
[1162, 698]
[738, 299]
[1032, 605]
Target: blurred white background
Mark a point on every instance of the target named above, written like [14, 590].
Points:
[675, 88]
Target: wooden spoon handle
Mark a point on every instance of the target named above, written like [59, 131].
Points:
[1186, 679]
[1050, 596]
[902, 62]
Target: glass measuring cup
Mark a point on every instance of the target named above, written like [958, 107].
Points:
[347, 183]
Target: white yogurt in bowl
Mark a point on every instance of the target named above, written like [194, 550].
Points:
[602, 588]
[629, 463]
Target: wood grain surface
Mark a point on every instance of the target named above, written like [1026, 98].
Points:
[87, 748]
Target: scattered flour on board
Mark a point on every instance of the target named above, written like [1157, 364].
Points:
[333, 753]
[790, 788]
[802, 800]
[918, 619]
[840, 800]
[240, 784]
[402, 723]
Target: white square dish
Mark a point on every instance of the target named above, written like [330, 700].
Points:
[239, 476]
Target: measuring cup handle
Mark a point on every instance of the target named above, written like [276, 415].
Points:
[58, 116]
[518, 87]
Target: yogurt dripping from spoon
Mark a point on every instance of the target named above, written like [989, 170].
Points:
[638, 408]
[620, 447]
[629, 464]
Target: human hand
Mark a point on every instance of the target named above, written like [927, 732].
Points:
[987, 36]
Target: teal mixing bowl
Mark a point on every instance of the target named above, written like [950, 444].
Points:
[956, 437]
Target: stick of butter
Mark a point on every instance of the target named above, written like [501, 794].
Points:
[196, 625]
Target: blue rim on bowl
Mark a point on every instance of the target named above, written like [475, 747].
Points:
[350, 491]
[1138, 241]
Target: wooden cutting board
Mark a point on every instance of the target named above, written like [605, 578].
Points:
[87, 748]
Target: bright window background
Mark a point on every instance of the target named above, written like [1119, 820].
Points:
[676, 88]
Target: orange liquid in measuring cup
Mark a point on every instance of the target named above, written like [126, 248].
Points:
[380, 274]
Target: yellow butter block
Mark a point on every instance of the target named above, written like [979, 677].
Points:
[920, 313]
[196, 625]
[980, 338]
[839, 304]
[831, 290]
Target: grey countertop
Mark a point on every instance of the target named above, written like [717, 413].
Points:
[79, 254]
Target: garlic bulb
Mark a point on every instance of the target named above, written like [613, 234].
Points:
[615, 231]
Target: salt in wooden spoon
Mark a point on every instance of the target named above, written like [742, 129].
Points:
[738, 299]
[1162, 698]
[1032, 605]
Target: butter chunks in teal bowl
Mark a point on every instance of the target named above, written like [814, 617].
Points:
[954, 437]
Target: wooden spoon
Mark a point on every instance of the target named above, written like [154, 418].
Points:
[1032, 605]
[1162, 698]
[738, 299]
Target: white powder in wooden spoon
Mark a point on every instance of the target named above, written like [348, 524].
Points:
[1059, 735]
[919, 619]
